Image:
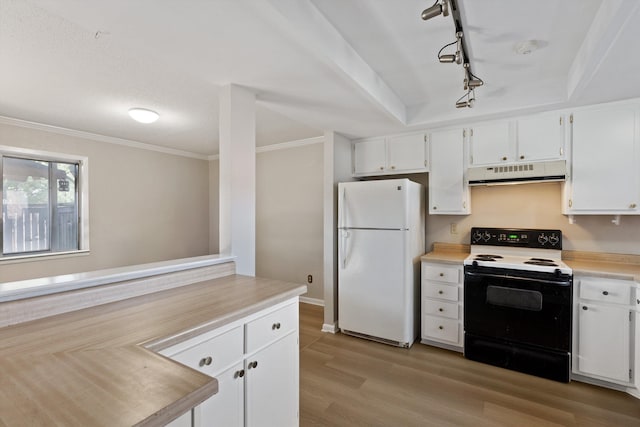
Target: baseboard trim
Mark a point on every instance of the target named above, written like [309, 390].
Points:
[330, 328]
[312, 301]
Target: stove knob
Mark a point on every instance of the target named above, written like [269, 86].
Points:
[542, 239]
[554, 239]
[486, 236]
[477, 236]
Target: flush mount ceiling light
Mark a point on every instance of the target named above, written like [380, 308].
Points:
[470, 81]
[143, 115]
[439, 7]
[526, 47]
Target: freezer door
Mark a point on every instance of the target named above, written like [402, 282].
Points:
[374, 294]
[373, 204]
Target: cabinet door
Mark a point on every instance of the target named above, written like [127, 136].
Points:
[491, 143]
[448, 188]
[369, 157]
[603, 341]
[183, 421]
[225, 408]
[407, 153]
[541, 137]
[605, 174]
[272, 381]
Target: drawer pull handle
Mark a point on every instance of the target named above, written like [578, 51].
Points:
[584, 307]
[253, 364]
[440, 327]
[275, 326]
[205, 361]
[239, 374]
[605, 293]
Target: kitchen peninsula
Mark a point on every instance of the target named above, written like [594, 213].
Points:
[99, 365]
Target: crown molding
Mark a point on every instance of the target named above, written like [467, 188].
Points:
[100, 138]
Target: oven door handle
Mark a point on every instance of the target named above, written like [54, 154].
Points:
[560, 282]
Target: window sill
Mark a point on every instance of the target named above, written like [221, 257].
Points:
[9, 259]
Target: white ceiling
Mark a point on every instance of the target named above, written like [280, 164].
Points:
[358, 67]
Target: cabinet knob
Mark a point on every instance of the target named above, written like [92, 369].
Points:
[435, 208]
[238, 374]
[440, 292]
[440, 327]
[521, 157]
[393, 167]
[205, 361]
[275, 326]
[632, 205]
[440, 309]
[381, 168]
[504, 158]
[253, 364]
[584, 307]
[441, 274]
[605, 292]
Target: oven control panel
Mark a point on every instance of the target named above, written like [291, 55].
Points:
[518, 237]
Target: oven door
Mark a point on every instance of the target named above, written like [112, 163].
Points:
[520, 307]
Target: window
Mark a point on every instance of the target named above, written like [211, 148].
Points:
[41, 203]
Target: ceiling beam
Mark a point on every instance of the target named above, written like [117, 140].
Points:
[308, 26]
[607, 25]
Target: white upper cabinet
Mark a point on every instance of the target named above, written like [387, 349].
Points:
[491, 143]
[605, 154]
[407, 153]
[370, 157]
[391, 155]
[527, 139]
[448, 188]
[540, 137]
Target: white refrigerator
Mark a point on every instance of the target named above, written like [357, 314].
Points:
[381, 236]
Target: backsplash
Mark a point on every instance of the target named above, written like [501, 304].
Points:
[536, 206]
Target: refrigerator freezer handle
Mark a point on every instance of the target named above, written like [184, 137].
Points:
[342, 207]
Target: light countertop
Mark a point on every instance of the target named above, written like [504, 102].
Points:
[91, 368]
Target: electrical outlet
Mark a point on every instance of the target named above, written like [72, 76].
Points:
[309, 279]
[454, 228]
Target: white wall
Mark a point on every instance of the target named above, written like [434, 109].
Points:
[536, 206]
[289, 215]
[145, 206]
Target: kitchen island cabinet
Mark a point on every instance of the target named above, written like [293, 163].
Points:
[258, 383]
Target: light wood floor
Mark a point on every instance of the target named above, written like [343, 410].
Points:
[347, 381]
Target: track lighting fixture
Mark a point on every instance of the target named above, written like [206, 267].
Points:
[470, 81]
[439, 7]
[462, 103]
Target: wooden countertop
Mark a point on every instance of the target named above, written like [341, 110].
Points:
[91, 368]
[608, 265]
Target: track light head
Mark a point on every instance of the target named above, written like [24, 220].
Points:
[474, 83]
[432, 12]
[447, 58]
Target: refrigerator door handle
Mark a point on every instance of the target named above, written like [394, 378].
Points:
[343, 247]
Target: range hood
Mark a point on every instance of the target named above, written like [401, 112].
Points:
[520, 173]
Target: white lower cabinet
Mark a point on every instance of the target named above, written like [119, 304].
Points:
[256, 363]
[441, 312]
[603, 341]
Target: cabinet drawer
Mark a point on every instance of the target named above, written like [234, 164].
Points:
[441, 273]
[440, 328]
[214, 354]
[270, 327]
[440, 308]
[440, 291]
[606, 290]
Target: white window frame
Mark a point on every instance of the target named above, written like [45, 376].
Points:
[83, 202]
